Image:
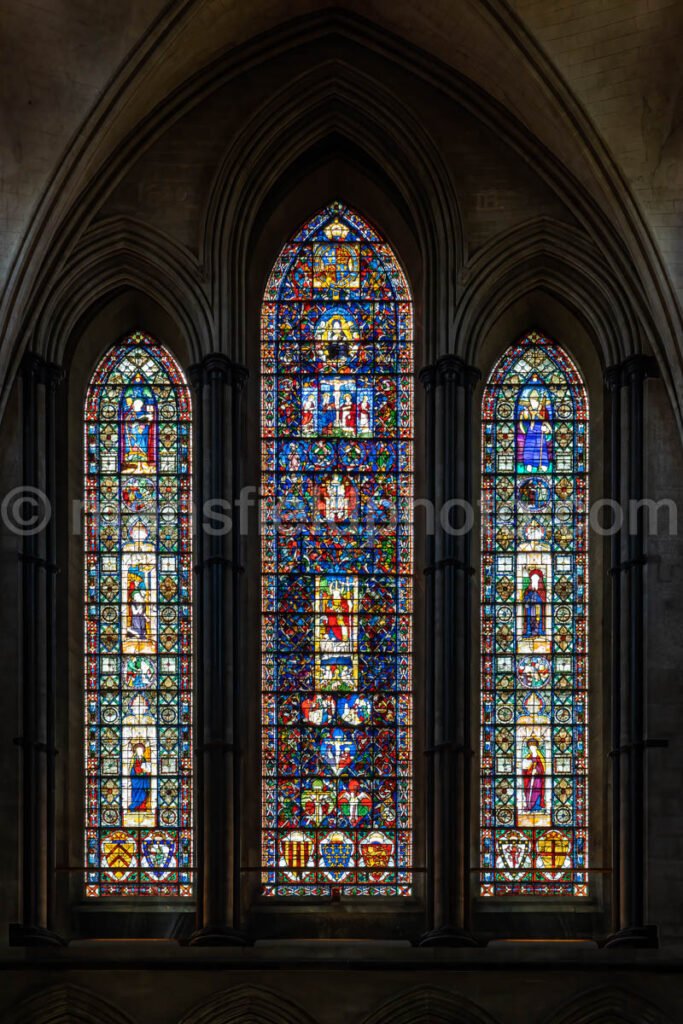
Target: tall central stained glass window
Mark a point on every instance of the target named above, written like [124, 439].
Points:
[138, 627]
[534, 797]
[337, 451]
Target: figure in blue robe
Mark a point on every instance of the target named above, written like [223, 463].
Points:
[534, 606]
[138, 430]
[329, 415]
[140, 781]
[534, 433]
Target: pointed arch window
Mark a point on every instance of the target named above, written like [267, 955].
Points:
[138, 624]
[337, 450]
[534, 637]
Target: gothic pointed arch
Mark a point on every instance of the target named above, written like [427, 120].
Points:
[429, 1006]
[120, 253]
[66, 1004]
[73, 197]
[247, 1004]
[534, 624]
[138, 624]
[337, 453]
[604, 1005]
[362, 112]
[560, 260]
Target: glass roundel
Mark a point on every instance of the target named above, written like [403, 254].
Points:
[337, 449]
[138, 636]
[534, 752]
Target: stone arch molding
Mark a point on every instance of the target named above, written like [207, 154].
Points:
[65, 1004]
[247, 1005]
[547, 254]
[607, 1006]
[120, 252]
[79, 187]
[429, 1006]
[322, 101]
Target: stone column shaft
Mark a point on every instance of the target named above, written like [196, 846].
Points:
[448, 625]
[629, 703]
[37, 557]
[218, 383]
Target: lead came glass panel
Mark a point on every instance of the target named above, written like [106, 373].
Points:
[138, 628]
[337, 437]
[534, 625]
[534, 641]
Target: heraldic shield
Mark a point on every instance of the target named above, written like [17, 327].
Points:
[553, 851]
[377, 850]
[118, 853]
[159, 853]
[296, 850]
[515, 850]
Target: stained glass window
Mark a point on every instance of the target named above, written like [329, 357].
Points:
[337, 440]
[534, 640]
[138, 636]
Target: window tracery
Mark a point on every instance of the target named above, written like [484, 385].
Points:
[337, 436]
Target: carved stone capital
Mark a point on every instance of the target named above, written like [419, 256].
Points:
[450, 368]
[614, 377]
[639, 367]
[217, 366]
[428, 377]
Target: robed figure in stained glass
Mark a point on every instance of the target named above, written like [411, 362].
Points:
[329, 414]
[138, 430]
[140, 781]
[534, 432]
[138, 617]
[337, 499]
[139, 585]
[534, 599]
[348, 414]
[533, 776]
[336, 618]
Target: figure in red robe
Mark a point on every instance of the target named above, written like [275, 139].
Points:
[337, 618]
[321, 500]
[348, 413]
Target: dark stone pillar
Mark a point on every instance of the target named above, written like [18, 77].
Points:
[613, 382]
[625, 385]
[449, 574]
[428, 378]
[218, 383]
[35, 522]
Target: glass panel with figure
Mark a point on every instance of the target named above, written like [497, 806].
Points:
[534, 642]
[337, 450]
[138, 629]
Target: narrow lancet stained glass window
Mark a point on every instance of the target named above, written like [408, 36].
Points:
[534, 638]
[337, 437]
[138, 628]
